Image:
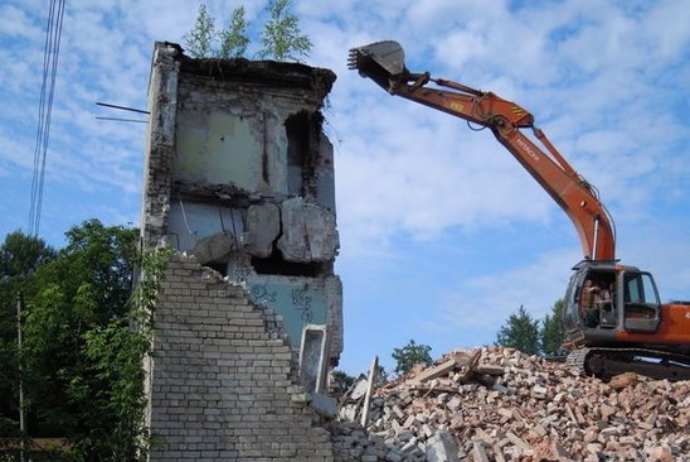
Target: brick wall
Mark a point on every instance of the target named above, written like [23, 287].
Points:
[222, 380]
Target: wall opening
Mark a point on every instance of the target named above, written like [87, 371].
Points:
[297, 129]
[221, 267]
[275, 265]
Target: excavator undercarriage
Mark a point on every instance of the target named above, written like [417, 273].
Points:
[606, 363]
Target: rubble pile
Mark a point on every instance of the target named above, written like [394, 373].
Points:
[497, 404]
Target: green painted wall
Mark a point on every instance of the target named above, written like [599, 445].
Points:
[300, 301]
[218, 148]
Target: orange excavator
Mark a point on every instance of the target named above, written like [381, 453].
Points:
[613, 319]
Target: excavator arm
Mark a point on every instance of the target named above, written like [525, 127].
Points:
[383, 62]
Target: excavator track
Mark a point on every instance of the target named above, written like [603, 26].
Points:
[605, 363]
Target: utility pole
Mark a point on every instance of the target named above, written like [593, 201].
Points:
[20, 357]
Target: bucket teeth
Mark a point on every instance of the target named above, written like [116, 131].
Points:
[378, 58]
[353, 59]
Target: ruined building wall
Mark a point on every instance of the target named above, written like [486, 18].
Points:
[239, 179]
[240, 174]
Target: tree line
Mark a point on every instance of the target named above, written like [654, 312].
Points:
[80, 358]
[533, 336]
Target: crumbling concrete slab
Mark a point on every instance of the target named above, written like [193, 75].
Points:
[213, 248]
[263, 228]
[309, 232]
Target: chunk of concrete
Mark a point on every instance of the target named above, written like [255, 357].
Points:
[359, 388]
[262, 229]
[441, 448]
[324, 405]
[309, 232]
[213, 248]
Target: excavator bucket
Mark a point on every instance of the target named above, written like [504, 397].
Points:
[379, 61]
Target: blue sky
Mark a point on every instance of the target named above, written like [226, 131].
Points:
[443, 234]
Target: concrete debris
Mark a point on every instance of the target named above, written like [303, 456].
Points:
[373, 372]
[441, 448]
[497, 404]
[324, 405]
[213, 248]
[263, 228]
[309, 232]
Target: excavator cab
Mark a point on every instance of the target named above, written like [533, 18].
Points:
[605, 299]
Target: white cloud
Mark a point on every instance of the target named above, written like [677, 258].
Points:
[16, 22]
[412, 170]
[486, 301]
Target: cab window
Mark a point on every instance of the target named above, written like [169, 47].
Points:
[640, 288]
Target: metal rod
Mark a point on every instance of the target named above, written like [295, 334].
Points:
[124, 108]
[22, 415]
[122, 120]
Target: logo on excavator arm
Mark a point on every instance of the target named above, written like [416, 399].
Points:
[517, 110]
[455, 106]
[528, 149]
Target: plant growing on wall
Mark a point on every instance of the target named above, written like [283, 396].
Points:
[282, 38]
[234, 40]
[114, 355]
[199, 41]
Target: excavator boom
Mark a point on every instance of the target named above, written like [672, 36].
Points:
[383, 62]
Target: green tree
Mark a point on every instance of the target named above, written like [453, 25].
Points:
[234, 40]
[114, 383]
[409, 356]
[20, 257]
[520, 332]
[281, 37]
[552, 335]
[84, 288]
[341, 381]
[199, 41]
[83, 374]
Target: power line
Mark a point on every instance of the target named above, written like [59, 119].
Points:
[51, 54]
